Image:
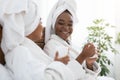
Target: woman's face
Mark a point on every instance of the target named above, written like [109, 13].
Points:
[64, 25]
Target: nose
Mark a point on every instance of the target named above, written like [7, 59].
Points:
[66, 28]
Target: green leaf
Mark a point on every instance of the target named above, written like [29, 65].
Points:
[98, 35]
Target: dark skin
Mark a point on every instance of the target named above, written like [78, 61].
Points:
[37, 34]
[64, 26]
[64, 29]
[64, 59]
[87, 52]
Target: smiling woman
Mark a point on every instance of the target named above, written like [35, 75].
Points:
[59, 28]
[64, 25]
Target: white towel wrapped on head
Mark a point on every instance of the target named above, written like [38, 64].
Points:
[59, 8]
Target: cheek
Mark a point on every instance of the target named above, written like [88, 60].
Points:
[37, 35]
[57, 29]
[71, 30]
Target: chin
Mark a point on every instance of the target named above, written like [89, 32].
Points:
[65, 39]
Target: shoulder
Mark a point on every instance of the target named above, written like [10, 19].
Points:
[52, 42]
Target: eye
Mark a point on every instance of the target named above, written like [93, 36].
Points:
[61, 23]
[70, 25]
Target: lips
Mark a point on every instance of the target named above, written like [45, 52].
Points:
[65, 32]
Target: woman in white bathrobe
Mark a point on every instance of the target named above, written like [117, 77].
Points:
[57, 36]
[24, 59]
[58, 31]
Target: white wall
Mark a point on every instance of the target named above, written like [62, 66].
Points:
[87, 11]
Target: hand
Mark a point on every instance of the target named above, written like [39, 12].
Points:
[64, 59]
[90, 61]
[88, 51]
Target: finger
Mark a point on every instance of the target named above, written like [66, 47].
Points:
[95, 56]
[87, 45]
[66, 60]
[65, 57]
[56, 55]
[91, 60]
[90, 45]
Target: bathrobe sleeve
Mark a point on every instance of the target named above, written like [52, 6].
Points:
[72, 71]
[80, 73]
[58, 71]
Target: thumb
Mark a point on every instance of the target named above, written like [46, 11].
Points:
[56, 55]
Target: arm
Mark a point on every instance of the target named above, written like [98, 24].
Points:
[89, 64]
[81, 72]
[72, 71]
[77, 69]
[88, 51]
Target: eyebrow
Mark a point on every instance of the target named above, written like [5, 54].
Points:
[63, 20]
[60, 20]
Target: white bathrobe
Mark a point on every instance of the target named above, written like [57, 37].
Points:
[57, 44]
[29, 62]
[4, 75]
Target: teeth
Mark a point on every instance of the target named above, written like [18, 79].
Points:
[65, 32]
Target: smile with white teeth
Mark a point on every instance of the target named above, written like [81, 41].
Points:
[65, 32]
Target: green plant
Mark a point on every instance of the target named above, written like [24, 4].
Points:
[98, 35]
